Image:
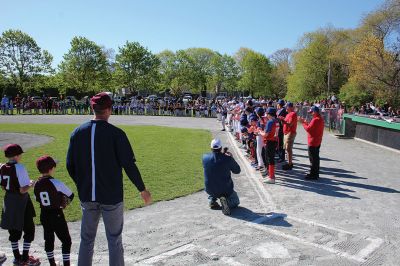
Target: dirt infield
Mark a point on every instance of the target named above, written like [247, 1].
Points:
[25, 140]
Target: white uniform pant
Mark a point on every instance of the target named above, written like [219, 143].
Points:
[260, 144]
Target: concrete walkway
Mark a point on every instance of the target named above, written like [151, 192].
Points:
[349, 217]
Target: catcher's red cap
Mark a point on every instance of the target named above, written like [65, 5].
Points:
[45, 163]
[101, 101]
[12, 150]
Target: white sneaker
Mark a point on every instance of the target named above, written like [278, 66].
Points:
[269, 181]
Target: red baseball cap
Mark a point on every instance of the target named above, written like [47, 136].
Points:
[12, 150]
[101, 101]
[45, 163]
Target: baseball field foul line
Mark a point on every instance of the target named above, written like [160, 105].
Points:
[361, 256]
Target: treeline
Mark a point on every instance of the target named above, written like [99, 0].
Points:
[359, 65]
[88, 68]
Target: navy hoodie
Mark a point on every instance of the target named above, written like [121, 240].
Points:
[97, 153]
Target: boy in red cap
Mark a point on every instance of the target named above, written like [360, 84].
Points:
[18, 210]
[53, 196]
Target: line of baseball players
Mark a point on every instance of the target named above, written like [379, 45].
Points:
[266, 132]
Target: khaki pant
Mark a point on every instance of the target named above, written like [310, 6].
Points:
[288, 141]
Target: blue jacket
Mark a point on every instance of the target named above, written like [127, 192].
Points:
[217, 174]
[96, 155]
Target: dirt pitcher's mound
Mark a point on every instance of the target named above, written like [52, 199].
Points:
[25, 140]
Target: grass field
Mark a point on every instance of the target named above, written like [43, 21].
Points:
[169, 160]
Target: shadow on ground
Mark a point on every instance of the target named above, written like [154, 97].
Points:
[325, 185]
[272, 218]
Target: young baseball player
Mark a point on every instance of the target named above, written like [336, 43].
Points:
[18, 211]
[270, 135]
[53, 196]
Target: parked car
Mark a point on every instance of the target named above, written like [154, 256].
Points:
[119, 99]
[152, 98]
[36, 99]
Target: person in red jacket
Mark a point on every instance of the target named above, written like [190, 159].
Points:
[315, 130]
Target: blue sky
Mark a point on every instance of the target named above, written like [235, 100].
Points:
[222, 25]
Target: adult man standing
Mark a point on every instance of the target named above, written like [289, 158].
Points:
[217, 177]
[315, 130]
[96, 155]
[289, 130]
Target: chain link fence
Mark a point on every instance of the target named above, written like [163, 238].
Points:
[333, 117]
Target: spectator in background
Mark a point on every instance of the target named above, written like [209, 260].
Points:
[11, 107]
[18, 104]
[4, 104]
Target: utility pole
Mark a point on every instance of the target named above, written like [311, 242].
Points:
[329, 77]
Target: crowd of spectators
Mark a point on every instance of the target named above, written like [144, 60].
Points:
[199, 107]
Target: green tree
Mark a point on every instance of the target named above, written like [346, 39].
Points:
[185, 76]
[22, 60]
[200, 61]
[224, 73]
[309, 77]
[85, 67]
[280, 72]
[136, 67]
[255, 73]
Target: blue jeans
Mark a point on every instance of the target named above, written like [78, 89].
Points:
[113, 218]
[233, 200]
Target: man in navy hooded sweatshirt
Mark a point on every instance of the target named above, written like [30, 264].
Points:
[97, 154]
[218, 166]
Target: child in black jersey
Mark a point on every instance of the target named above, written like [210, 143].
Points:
[18, 211]
[53, 196]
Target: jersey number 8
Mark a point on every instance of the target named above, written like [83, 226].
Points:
[44, 198]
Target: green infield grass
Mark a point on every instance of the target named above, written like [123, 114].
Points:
[169, 160]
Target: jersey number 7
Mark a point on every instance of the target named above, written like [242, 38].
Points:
[6, 177]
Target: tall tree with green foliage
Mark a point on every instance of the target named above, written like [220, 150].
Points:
[136, 68]
[280, 72]
[224, 73]
[309, 77]
[255, 73]
[200, 61]
[85, 67]
[22, 60]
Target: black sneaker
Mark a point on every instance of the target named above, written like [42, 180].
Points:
[3, 258]
[225, 207]
[214, 205]
[287, 166]
[311, 177]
